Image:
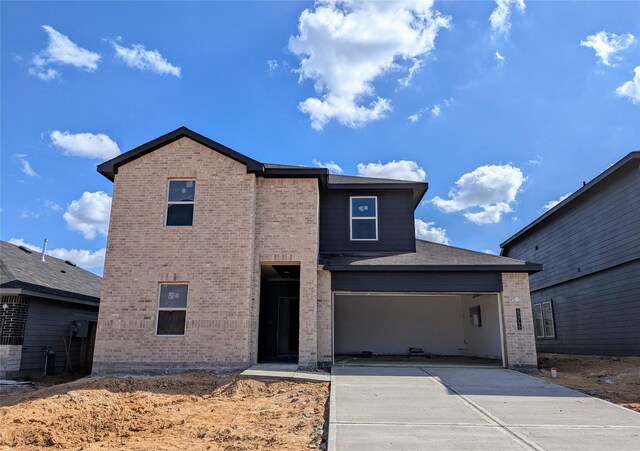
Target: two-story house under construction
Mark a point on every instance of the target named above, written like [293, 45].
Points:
[218, 261]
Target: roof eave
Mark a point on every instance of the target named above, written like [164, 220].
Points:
[110, 168]
[419, 188]
[85, 300]
[528, 267]
[604, 175]
[295, 172]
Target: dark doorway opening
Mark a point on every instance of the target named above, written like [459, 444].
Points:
[279, 313]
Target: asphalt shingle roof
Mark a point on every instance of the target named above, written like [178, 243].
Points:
[428, 256]
[20, 269]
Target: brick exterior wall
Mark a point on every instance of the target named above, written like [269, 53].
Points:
[10, 356]
[520, 344]
[13, 320]
[287, 212]
[325, 318]
[239, 222]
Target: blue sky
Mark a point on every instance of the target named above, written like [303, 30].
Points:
[502, 106]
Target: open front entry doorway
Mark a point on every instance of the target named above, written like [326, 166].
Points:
[279, 313]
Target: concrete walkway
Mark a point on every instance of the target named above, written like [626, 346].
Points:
[460, 408]
[284, 371]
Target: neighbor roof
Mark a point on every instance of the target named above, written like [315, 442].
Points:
[22, 272]
[110, 168]
[428, 257]
[631, 158]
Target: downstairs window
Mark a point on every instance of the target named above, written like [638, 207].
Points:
[172, 311]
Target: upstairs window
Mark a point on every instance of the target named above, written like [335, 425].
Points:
[543, 320]
[172, 312]
[180, 202]
[364, 218]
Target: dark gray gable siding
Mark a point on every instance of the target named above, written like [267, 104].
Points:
[598, 314]
[408, 282]
[47, 323]
[590, 251]
[597, 231]
[396, 230]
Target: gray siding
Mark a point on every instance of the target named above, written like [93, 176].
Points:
[597, 231]
[396, 230]
[597, 314]
[590, 251]
[47, 323]
[402, 282]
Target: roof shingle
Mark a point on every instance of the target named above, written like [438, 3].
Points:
[428, 257]
[23, 270]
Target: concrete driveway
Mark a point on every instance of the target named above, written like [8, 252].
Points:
[458, 408]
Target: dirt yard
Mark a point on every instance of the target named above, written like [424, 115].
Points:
[616, 379]
[194, 411]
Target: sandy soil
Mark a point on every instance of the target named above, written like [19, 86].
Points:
[616, 379]
[194, 411]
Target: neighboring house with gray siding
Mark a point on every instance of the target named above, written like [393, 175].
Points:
[218, 261]
[45, 306]
[587, 298]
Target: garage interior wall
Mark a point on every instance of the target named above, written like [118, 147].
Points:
[439, 324]
[482, 341]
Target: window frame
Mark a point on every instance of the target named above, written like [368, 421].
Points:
[544, 318]
[544, 336]
[169, 202]
[369, 218]
[171, 309]
[535, 329]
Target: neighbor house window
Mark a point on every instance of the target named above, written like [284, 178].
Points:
[538, 323]
[543, 320]
[364, 218]
[180, 202]
[172, 312]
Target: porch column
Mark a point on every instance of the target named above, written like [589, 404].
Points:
[517, 317]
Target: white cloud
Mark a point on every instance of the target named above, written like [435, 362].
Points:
[27, 169]
[499, 57]
[344, 46]
[552, 203]
[501, 16]
[606, 45]
[272, 65]
[333, 167]
[52, 205]
[631, 89]
[536, 161]
[84, 258]
[397, 170]
[435, 110]
[86, 145]
[138, 57]
[89, 214]
[61, 50]
[427, 231]
[490, 214]
[29, 214]
[44, 73]
[488, 251]
[490, 188]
